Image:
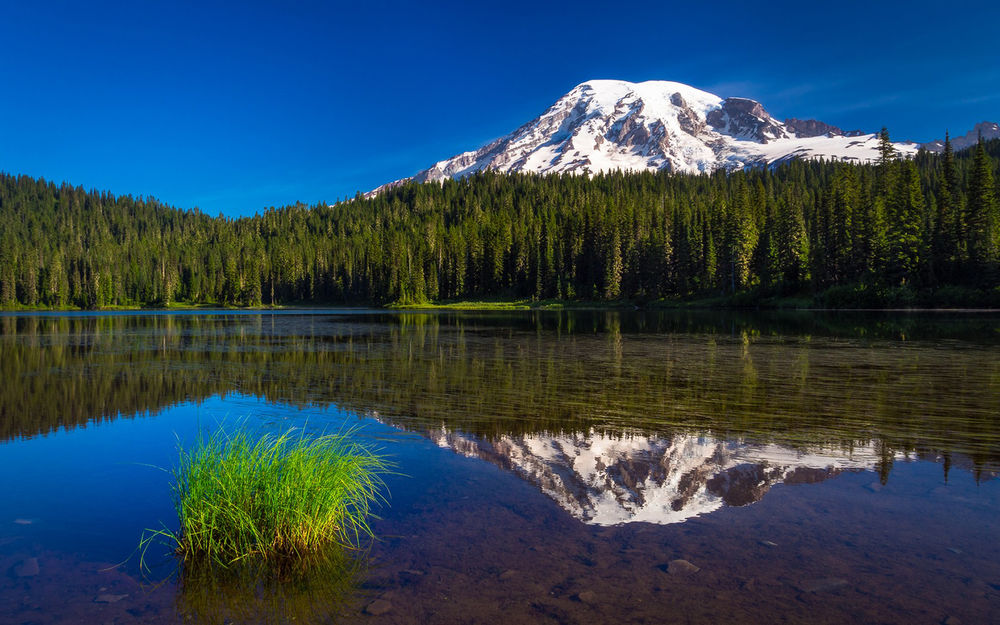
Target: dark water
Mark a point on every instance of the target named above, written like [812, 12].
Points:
[552, 467]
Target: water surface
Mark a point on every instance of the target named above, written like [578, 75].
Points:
[551, 465]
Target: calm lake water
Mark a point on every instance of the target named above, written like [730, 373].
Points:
[553, 467]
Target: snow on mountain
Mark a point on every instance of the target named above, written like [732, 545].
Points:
[606, 125]
[606, 480]
[986, 130]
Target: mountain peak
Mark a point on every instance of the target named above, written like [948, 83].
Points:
[606, 125]
[652, 90]
[986, 130]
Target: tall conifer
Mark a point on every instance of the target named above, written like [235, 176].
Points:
[981, 212]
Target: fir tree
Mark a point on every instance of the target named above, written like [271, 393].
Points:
[887, 156]
[904, 241]
[792, 243]
[981, 213]
[948, 226]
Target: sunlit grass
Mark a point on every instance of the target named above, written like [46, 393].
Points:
[273, 497]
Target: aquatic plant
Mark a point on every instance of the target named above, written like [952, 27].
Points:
[273, 497]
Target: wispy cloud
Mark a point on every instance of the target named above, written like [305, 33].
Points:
[864, 104]
[775, 92]
[980, 99]
[811, 88]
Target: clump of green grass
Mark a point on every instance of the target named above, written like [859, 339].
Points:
[273, 497]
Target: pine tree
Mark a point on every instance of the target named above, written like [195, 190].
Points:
[739, 237]
[981, 213]
[844, 213]
[886, 163]
[906, 251]
[948, 225]
[613, 268]
[792, 243]
[8, 284]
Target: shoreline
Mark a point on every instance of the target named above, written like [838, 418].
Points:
[503, 306]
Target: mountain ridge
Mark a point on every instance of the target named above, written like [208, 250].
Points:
[608, 125]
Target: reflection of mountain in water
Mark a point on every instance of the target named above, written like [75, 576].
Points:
[605, 480]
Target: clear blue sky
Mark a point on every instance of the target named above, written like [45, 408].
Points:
[233, 108]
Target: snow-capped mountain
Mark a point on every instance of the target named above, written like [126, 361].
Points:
[606, 125]
[986, 130]
[606, 480]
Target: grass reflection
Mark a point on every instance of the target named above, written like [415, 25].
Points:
[310, 590]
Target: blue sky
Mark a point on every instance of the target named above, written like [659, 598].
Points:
[234, 108]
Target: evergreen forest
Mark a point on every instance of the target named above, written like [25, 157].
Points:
[894, 232]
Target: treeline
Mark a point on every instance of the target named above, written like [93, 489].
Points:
[556, 372]
[807, 226]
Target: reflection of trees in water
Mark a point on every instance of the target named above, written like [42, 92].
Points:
[313, 591]
[798, 380]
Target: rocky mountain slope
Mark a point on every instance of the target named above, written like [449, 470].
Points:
[987, 130]
[605, 125]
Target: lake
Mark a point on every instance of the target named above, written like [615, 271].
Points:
[550, 467]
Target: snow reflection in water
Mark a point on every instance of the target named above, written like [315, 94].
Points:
[606, 480]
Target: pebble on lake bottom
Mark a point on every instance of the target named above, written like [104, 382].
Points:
[27, 568]
[508, 574]
[411, 575]
[825, 584]
[681, 567]
[108, 598]
[378, 607]
[587, 596]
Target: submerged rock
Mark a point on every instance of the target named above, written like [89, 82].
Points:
[681, 567]
[825, 584]
[108, 598]
[27, 568]
[410, 575]
[378, 607]
[508, 574]
[587, 596]
[768, 543]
